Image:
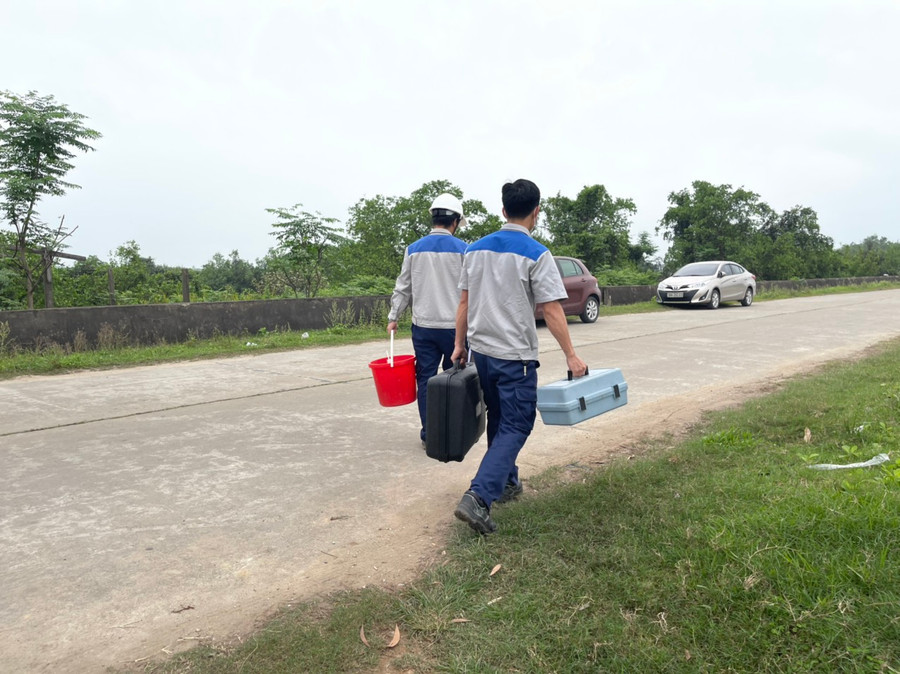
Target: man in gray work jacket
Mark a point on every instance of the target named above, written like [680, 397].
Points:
[428, 279]
[504, 275]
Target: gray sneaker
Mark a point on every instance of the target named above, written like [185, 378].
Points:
[472, 511]
[511, 492]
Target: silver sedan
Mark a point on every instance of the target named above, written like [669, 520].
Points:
[709, 283]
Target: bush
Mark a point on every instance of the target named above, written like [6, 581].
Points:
[362, 285]
[625, 277]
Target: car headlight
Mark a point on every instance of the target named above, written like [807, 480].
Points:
[697, 286]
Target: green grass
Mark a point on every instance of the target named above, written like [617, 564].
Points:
[56, 359]
[724, 552]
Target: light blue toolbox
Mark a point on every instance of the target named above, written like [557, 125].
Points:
[569, 401]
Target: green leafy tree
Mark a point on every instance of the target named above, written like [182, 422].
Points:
[594, 226]
[380, 227]
[84, 284]
[229, 274]
[874, 256]
[711, 222]
[375, 226]
[790, 245]
[299, 261]
[140, 280]
[38, 138]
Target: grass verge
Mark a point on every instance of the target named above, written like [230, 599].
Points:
[57, 360]
[723, 553]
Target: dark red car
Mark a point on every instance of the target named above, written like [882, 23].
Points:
[584, 293]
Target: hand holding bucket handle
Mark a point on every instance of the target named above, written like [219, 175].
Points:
[391, 358]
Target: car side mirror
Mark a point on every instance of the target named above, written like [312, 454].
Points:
[721, 274]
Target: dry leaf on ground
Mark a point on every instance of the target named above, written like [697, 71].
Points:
[460, 620]
[396, 639]
[496, 569]
[362, 635]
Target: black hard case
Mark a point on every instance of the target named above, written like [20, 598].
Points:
[454, 413]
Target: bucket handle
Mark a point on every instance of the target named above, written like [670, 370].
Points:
[391, 358]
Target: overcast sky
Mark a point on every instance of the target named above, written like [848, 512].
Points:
[213, 111]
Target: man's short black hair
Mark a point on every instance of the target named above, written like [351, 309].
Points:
[441, 217]
[520, 198]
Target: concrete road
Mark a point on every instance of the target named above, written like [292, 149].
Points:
[145, 510]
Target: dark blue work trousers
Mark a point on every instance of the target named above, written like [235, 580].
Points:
[433, 347]
[510, 396]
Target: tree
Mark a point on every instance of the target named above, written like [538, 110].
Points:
[84, 284]
[595, 228]
[38, 137]
[875, 256]
[711, 222]
[228, 274]
[381, 228]
[791, 246]
[298, 261]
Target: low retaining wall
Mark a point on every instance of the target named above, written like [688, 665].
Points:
[153, 323]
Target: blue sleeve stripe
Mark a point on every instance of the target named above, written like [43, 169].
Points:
[510, 242]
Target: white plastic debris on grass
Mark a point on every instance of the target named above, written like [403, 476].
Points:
[874, 461]
[305, 335]
[251, 344]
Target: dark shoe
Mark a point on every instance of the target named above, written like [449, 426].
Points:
[473, 511]
[511, 492]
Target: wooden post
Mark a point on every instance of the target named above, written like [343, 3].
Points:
[46, 257]
[111, 284]
[185, 286]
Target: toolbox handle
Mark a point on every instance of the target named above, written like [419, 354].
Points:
[586, 373]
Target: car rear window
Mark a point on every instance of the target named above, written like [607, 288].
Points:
[568, 268]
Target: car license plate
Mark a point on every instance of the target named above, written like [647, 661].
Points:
[672, 296]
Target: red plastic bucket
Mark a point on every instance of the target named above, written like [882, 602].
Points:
[395, 385]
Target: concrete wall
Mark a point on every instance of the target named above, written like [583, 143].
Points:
[152, 323]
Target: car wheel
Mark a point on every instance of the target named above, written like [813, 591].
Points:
[591, 310]
[715, 299]
[748, 297]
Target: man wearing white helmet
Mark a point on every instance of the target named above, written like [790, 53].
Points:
[428, 279]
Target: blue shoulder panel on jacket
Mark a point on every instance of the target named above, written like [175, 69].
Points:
[438, 243]
[505, 241]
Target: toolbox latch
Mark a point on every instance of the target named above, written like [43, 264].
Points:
[582, 404]
[616, 391]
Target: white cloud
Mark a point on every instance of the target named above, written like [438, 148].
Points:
[213, 111]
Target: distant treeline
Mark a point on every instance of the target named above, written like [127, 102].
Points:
[316, 255]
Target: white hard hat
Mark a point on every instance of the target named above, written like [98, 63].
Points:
[448, 202]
